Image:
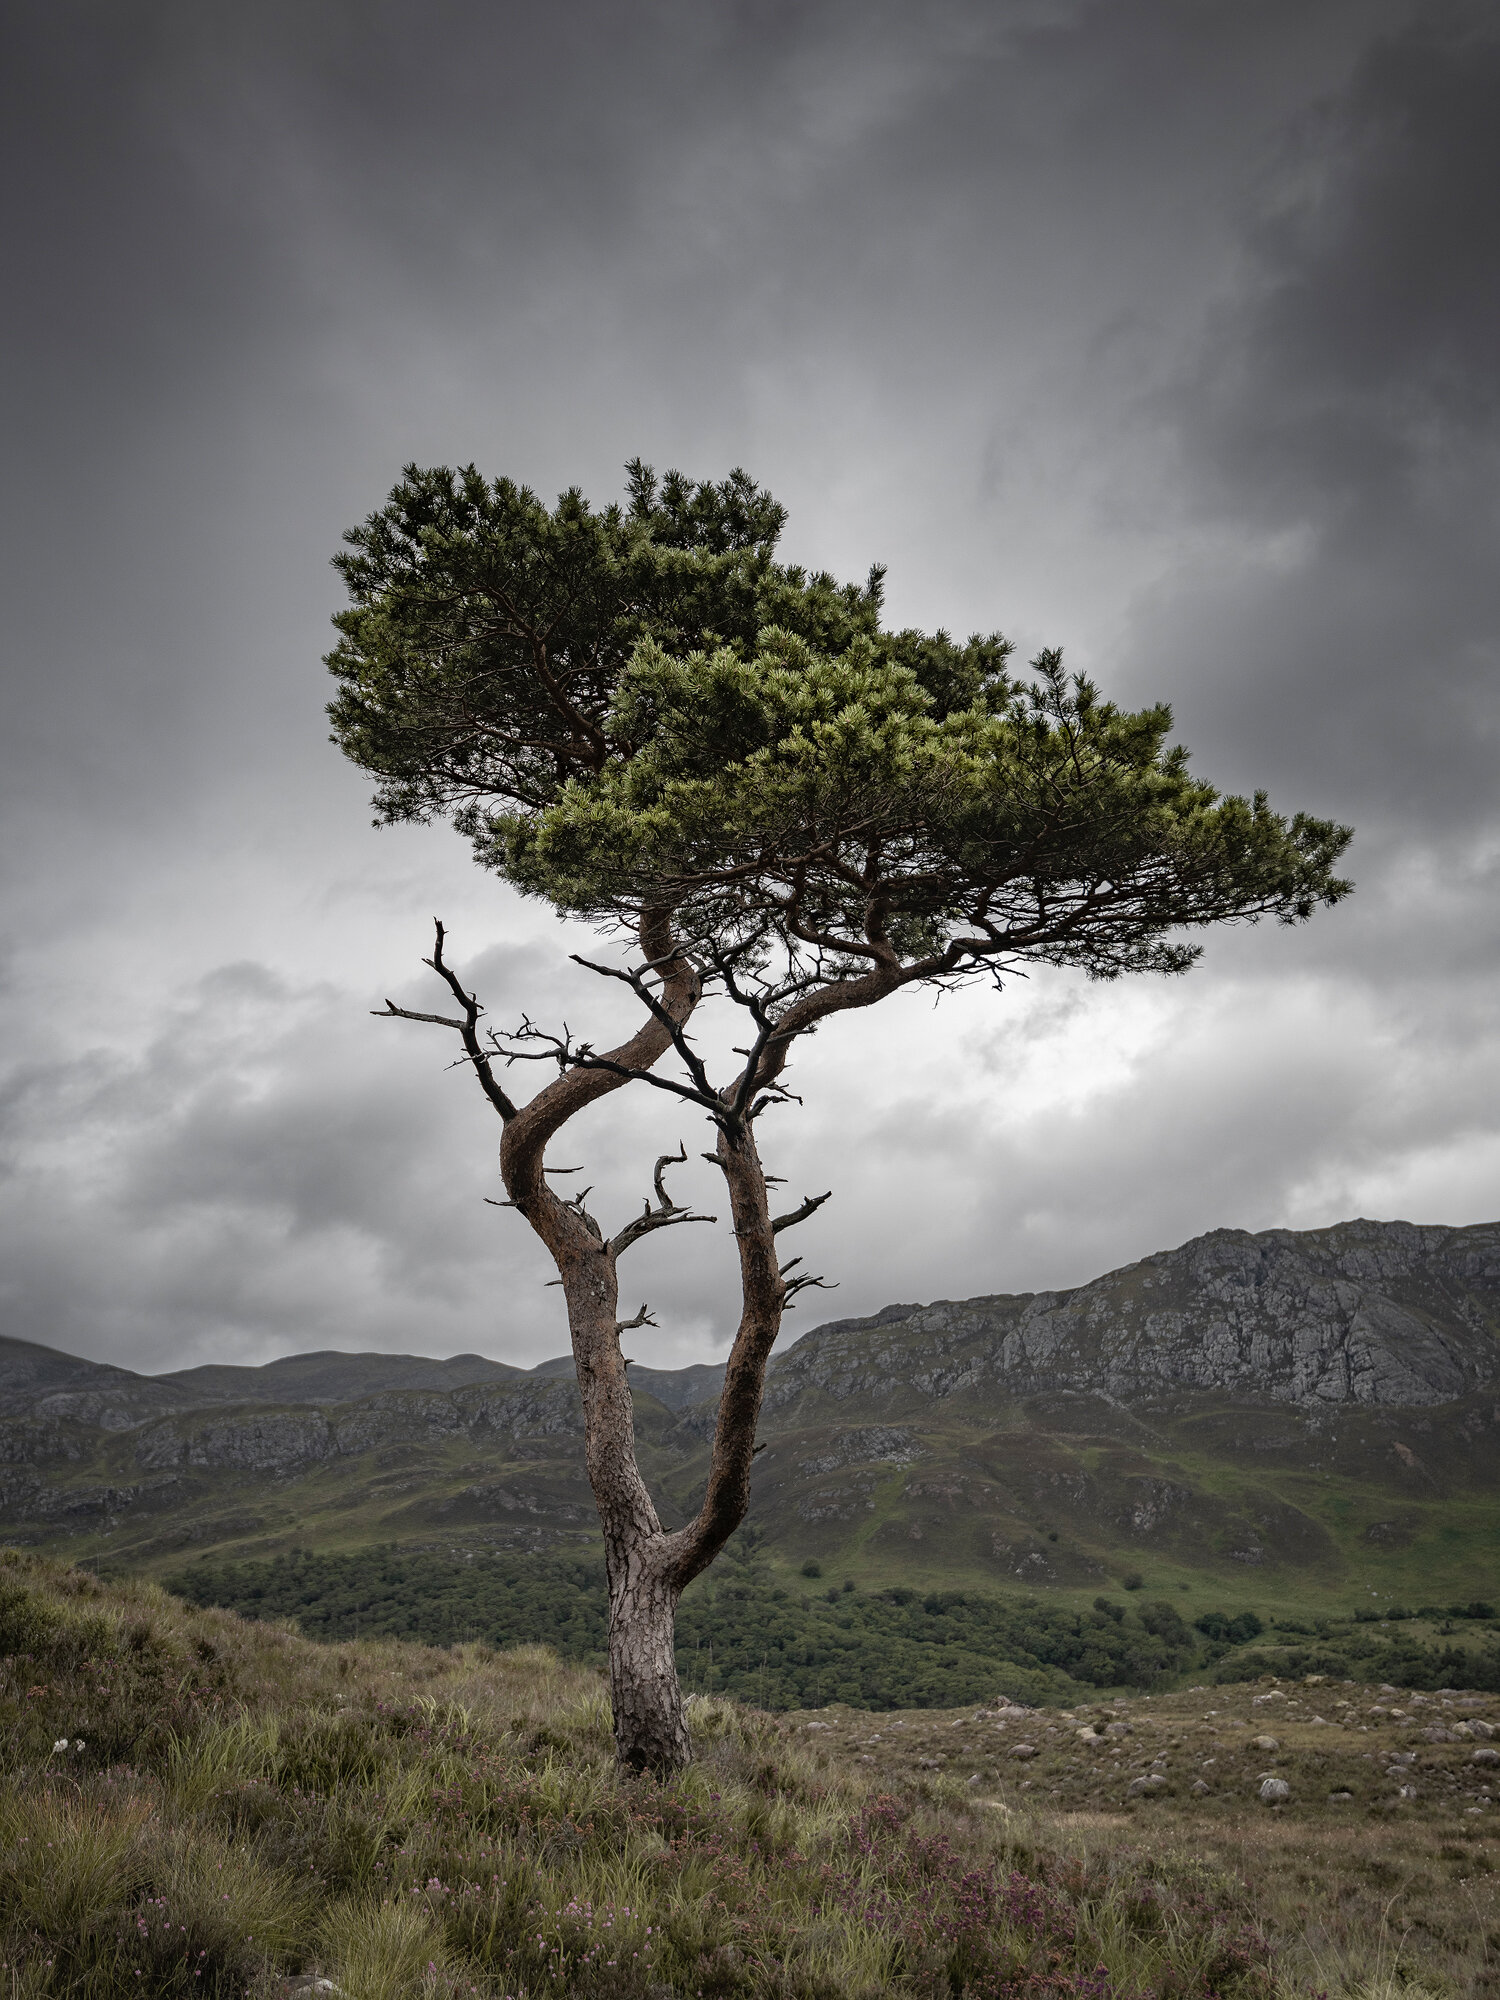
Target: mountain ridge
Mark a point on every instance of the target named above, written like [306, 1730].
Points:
[1302, 1412]
[1366, 1312]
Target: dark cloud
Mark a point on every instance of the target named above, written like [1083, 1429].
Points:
[1342, 424]
[1159, 329]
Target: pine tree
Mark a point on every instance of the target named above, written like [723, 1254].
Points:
[640, 716]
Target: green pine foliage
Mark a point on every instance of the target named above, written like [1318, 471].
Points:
[640, 707]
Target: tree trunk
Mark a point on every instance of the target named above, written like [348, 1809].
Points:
[648, 1567]
[651, 1732]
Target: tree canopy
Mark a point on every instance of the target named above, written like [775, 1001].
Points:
[639, 707]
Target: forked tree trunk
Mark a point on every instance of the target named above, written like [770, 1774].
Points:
[648, 1566]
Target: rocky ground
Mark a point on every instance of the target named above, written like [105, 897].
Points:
[1362, 1820]
[1326, 1750]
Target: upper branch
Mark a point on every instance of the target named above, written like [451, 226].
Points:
[468, 1026]
[583, 1082]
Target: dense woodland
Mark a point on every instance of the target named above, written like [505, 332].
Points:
[744, 1632]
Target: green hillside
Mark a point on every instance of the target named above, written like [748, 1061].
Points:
[1027, 1455]
[1238, 1506]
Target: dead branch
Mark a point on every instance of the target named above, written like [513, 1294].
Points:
[804, 1283]
[810, 1206]
[665, 1215]
[467, 1028]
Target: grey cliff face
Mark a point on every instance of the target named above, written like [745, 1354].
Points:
[284, 1441]
[1365, 1313]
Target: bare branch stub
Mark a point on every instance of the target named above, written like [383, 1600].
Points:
[667, 1160]
[665, 1215]
[642, 1318]
[805, 1284]
[810, 1206]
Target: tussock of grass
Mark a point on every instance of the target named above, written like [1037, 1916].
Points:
[249, 1810]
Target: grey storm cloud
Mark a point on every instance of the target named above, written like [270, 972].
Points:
[1161, 330]
[1345, 404]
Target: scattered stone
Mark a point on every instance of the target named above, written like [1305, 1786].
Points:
[929, 1763]
[1266, 1743]
[1479, 1728]
[1339, 1798]
[1200, 1788]
[1275, 1792]
[1439, 1735]
[1153, 1781]
[1485, 1756]
[1023, 1751]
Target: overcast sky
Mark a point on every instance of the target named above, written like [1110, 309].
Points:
[1162, 330]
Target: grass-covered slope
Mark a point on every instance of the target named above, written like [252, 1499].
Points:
[1232, 1505]
[194, 1805]
[190, 1804]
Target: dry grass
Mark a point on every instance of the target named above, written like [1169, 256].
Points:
[249, 1811]
[1368, 1894]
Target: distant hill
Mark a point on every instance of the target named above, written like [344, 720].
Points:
[1281, 1418]
[331, 1377]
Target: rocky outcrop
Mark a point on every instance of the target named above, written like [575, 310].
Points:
[287, 1441]
[1365, 1313]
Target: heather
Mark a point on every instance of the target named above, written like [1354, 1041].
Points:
[195, 1804]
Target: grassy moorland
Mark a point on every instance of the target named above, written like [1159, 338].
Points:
[192, 1804]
